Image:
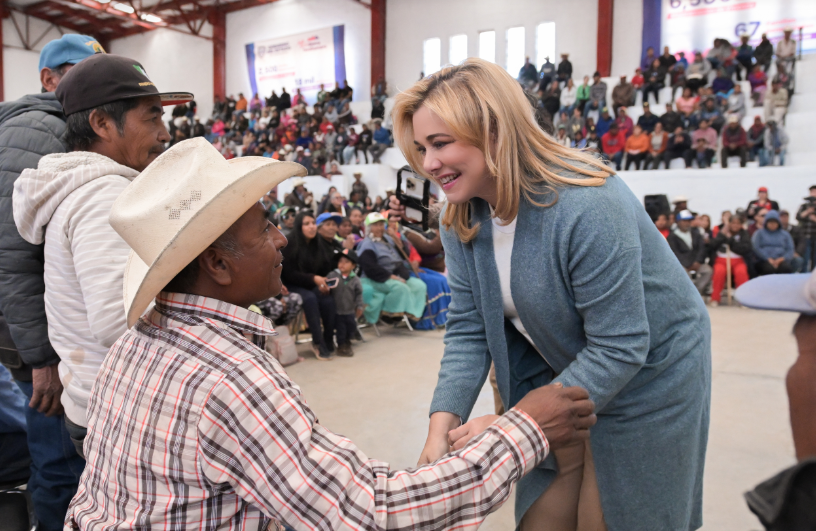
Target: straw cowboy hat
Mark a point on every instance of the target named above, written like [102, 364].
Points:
[179, 205]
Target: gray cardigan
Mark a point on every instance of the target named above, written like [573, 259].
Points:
[611, 310]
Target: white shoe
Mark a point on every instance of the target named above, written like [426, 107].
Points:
[714, 304]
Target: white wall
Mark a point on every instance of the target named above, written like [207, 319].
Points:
[175, 62]
[627, 34]
[410, 22]
[287, 17]
[20, 73]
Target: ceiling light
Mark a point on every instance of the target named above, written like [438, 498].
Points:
[124, 8]
[151, 18]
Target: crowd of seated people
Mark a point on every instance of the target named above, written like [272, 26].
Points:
[702, 120]
[320, 135]
[760, 239]
[348, 263]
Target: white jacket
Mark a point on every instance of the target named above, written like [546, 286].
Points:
[66, 202]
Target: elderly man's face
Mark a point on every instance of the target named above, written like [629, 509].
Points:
[143, 137]
[255, 275]
[328, 229]
[684, 224]
[377, 229]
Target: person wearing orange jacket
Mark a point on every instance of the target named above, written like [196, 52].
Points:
[637, 147]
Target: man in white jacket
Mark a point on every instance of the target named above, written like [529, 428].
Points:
[114, 130]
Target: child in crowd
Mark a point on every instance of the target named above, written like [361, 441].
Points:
[348, 298]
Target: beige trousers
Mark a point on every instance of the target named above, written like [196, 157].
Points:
[572, 503]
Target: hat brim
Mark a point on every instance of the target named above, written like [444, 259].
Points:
[143, 282]
[781, 292]
[175, 98]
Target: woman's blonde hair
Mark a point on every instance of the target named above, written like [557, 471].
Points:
[485, 107]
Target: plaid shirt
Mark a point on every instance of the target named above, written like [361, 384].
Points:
[192, 426]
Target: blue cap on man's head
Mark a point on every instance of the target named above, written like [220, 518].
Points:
[70, 48]
[684, 215]
[329, 216]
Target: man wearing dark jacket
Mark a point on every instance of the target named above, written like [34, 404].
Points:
[679, 144]
[690, 249]
[564, 68]
[31, 128]
[671, 120]
[762, 201]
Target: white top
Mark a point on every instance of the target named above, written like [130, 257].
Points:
[503, 236]
[66, 202]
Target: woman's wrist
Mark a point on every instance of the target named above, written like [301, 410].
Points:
[441, 423]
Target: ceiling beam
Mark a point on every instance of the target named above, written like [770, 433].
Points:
[42, 9]
[57, 20]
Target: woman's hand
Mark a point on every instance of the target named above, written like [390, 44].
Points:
[458, 438]
[395, 277]
[436, 445]
[320, 282]
[396, 207]
[349, 243]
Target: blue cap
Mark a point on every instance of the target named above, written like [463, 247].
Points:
[685, 215]
[326, 216]
[69, 48]
[795, 292]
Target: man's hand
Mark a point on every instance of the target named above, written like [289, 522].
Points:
[695, 266]
[359, 313]
[47, 391]
[564, 414]
[458, 438]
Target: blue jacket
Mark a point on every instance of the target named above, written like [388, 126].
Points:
[382, 136]
[773, 243]
[611, 310]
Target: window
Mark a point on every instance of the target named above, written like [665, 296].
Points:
[458, 51]
[431, 56]
[515, 50]
[487, 46]
[545, 43]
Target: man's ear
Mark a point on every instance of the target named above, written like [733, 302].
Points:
[49, 79]
[217, 265]
[102, 124]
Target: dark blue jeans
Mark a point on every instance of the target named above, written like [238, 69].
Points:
[317, 307]
[55, 465]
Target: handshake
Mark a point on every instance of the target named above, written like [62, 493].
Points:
[563, 414]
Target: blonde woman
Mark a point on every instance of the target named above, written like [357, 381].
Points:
[558, 275]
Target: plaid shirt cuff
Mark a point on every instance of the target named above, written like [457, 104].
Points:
[523, 438]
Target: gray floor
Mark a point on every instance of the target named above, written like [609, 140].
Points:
[380, 400]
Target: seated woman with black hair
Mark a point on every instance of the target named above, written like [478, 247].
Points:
[308, 258]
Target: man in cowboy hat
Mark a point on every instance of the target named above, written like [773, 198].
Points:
[114, 130]
[300, 197]
[785, 501]
[193, 420]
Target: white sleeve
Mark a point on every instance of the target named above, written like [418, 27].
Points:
[100, 255]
